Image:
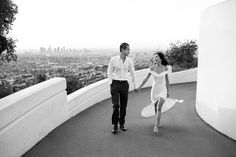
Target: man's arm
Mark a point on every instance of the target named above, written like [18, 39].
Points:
[109, 71]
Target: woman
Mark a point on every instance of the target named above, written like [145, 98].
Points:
[160, 86]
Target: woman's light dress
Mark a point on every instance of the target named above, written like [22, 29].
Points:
[158, 90]
[158, 85]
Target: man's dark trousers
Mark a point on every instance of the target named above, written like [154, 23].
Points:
[119, 97]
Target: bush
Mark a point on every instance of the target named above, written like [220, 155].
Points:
[5, 89]
[182, 55]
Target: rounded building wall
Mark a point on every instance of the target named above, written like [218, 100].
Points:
[216, 80]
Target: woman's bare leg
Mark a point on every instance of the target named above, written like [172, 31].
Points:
[155, 106]
[157, 124]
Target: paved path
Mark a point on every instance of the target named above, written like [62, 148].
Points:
[182, 132]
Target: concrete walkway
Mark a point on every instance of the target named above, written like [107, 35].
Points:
[182, 132]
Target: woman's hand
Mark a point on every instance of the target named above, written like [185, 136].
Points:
[168, 95]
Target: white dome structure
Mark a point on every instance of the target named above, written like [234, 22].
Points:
[216, 80]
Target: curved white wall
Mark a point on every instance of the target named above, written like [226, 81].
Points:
[90, 95]
[30, 114]
[216, 82]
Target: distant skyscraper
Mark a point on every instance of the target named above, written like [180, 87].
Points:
[58, 49]
[42, 50]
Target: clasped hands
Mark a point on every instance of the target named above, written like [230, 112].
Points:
[136, 90]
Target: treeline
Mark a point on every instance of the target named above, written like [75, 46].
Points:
[180, 55]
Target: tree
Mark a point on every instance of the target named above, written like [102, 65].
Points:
[40, 77]
[8, 10]
[72, 84]
[182, 55]
[5, 89]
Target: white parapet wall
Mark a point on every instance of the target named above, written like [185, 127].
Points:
[29, 115]
[90, 95]
[216, 85]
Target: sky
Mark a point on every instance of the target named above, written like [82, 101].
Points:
[105, 24]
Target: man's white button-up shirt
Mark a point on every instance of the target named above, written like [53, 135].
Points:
[118, 70]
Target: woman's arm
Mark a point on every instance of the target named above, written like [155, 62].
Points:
[144, 81]
[167, 85]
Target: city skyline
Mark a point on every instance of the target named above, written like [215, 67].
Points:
[104, 24]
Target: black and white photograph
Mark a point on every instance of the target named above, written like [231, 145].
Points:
[117, 78]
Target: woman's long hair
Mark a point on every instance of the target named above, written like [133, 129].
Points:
[162, 57]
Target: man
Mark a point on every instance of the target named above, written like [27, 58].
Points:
[118, 69]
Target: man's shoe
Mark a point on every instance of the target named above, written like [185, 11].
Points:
[114, 130]
[123, 128]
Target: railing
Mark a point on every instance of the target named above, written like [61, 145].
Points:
[29, 115]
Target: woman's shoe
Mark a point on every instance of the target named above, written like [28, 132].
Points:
[155, 129]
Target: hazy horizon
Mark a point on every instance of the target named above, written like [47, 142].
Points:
[105, 24]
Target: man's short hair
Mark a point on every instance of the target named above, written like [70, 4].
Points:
[123, 46]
